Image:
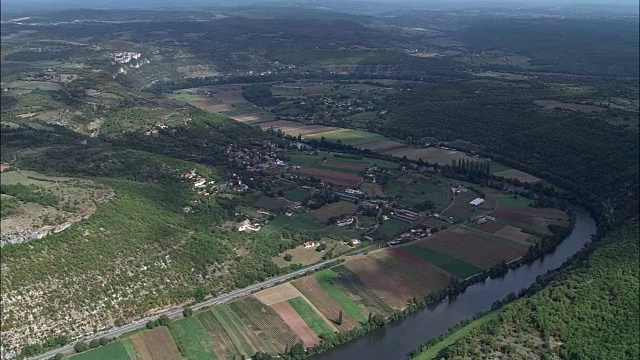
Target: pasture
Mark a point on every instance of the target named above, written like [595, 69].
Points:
[192, 339]
[430, 155]
[390, 229]
[334, 177]
[113, 351]
[351, 284]
[301, 255]
[518, 175]
[335, 209]
[326, 280]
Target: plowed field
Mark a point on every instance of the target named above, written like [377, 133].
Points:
[382, 281]
[311, 289]
[296, 323]
[156, 344]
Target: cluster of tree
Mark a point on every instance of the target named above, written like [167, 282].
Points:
[260, 94]
[161, 321]
[82, 346]
[29, 194]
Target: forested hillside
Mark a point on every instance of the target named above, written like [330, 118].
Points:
[589, 311]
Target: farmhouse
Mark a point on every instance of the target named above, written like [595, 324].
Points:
[246, 226]
[476, 202]
[349, 198]
[345, 221]
[353, 191]
[200, 183]
[309, 244]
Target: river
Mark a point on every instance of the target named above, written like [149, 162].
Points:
[396, 340]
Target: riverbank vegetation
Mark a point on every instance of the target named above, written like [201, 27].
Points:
[595, 293]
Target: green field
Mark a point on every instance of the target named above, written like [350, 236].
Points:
[296, 195]
[520, 201]
[310, 316]
[192, 339]
[233, 327]
[305, 223]
[390, 228]
[352, 309]
[443, 261]
[183, 96]
[432, 352]
[316, 161]
[349, 137]
[113, 351]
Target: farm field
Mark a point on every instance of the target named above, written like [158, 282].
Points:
[372, 189]
[340, 178]
[554, 104]
[326, 280]
[518, 175]
[113, 351]
[296, 323]
[390, 228]
[192, 339]
[423, 277]
[337, 208]
[382, 280]
[243, 339]
[351, 284]
[474, 248]
[430, 155]
[261, 320]
[296, 195]
[272, 204]
[447, 263]
[301, 255]
[155, 344]
[311, 289]
[313, 318]
[221, 343]
[412, 190]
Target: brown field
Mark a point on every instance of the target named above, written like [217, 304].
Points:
[431, 155]
[301, 255]
[380, 279]
[554, 104]
[381, 145]
[372, 189]
[156, 344]
[518, 175]
[491, 226]
[296, 323]
[334, 177]
[276, 294]
[272, 204]
[513, 233]
[423, 277]
[482, 251]
[312, 290]
[249, 117]
[334, 209]
[265, 324]
[350, 165]
[294, 128]
[221, 343]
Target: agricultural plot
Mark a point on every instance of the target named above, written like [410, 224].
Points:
[423, 277]
[220, 341]
[276, 294]
[326, 279]
[155, 344]
[513, 234]
[518, 175]
[243, 339]
[296, 323]
[411, 191]
[430, 155]
[297, 195]
[348, 136]
[461, 209]
[351, 284]
[34, 85]
[272, 204]
[265, 323]
[372, 189]
[311, 316]
[391, 228]
[320, 162]
[337, 208]
[447, 263]
[328, 307]
[517, 202]
[113, 351]
[532, 220]
[300, 255]
[192, 339]
[382, 280]
[475, 248]
[554, 104]
[334, 177]
[344, 164]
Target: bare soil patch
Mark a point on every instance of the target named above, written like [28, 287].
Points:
[334, 177]
[296, 323]
[276, 294]
[156, 344]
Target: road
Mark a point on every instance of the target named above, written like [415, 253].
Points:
[177, 312]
